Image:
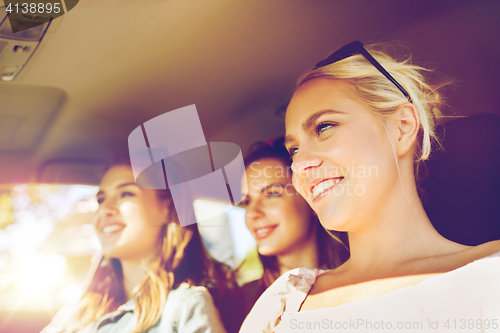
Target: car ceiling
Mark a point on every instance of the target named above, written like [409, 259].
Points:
[107, 66]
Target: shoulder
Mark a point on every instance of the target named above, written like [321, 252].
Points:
[251, 286]
[488, 249]
[185, 290]
[482, 251]
[191, 309]
[458, 258]
[290, 289]
[197, 294]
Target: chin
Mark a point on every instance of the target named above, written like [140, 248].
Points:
[336, 222]
[114, 253]
[266, 252]
[111, 255]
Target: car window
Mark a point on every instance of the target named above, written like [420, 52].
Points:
[48, 247]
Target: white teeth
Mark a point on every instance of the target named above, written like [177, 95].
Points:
[260, 232]
[111, 228]
[324, 185]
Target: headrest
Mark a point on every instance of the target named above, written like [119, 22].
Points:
[462, 188]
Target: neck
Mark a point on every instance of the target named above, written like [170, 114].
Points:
[134, 272]
[397, 233]
[304, 256]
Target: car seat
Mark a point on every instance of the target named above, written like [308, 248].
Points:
[461, 193]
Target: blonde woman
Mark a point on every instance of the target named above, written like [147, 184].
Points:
[358, 128]
[150, 278]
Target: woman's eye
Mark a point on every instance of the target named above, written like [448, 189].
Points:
[323, 127]
[273, 194]
[245, 202]
[100, 200]
[127, 194]
[292, 151]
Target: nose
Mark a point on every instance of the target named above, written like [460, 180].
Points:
[304, 162]
[107, 208]
[254, 211]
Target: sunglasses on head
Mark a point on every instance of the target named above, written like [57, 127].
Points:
[357, 48]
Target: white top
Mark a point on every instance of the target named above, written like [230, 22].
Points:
[188, 309]
[466, 299]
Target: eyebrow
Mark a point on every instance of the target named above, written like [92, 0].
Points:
[306, 125]
[119, 186]
[309, 122]
[288, 138]
[262, 190]
[270, 185]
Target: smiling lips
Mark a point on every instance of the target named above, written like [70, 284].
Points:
[320, 187]
[263, 232]
[110, 228]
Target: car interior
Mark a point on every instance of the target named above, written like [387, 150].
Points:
[72, 90]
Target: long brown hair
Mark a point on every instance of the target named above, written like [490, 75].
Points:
[183, 258]
[332, 246]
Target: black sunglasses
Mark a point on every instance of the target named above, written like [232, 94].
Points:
[357, 48]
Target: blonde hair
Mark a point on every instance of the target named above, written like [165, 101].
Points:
[382, 97]
[182, 258]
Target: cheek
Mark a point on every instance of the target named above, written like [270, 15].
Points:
[96, 218]
[302, 210]
[248, 222]
[141, 224]
[367, 158]
[139, 214]
[297, 229]
[277, 212]
[132, 216]
[379, 165]
[297, 213]
[140, 240]
[300, 184]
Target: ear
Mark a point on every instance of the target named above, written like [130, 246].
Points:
[408, 123]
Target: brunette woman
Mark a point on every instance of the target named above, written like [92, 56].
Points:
[358, 127]
[286, 229]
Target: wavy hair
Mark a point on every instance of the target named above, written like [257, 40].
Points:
[183, 258]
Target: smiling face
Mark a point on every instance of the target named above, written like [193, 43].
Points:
[344, 165]
[276, 215]
[129, 218]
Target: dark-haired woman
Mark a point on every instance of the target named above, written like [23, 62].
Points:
[358, 127]
[286, 229]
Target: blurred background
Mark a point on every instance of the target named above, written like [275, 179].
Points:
[49, 249]
[46, 248]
